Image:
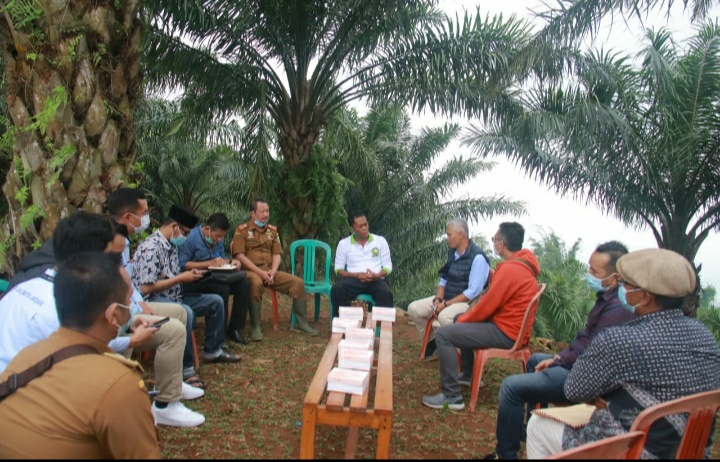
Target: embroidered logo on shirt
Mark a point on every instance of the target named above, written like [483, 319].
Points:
[375, 252]
[250, 234]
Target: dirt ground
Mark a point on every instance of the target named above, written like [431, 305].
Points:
[253, 408]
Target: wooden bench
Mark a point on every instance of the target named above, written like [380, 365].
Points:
[332, 408]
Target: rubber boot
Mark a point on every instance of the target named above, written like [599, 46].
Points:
[255, 332]
[299, 308]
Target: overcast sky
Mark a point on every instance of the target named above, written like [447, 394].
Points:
[570, 219]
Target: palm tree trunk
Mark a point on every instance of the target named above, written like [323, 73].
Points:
[72, 78]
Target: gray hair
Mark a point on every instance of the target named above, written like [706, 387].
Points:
[458, 224]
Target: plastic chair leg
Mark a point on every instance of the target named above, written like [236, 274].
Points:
[276, 316]
[428, 329]
[195, 352]
[476, 378]
[317, 307]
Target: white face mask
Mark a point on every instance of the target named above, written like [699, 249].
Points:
[144, 223]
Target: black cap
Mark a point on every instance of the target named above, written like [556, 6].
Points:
[183, 216]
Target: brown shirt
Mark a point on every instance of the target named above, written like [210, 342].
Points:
[258, 244]
[86, 407]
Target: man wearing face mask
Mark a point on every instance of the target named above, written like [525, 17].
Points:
[546, 374]
[256, 244]
[660, 356]
[204, 249]
[91, 404]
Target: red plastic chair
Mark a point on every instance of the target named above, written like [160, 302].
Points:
[701, 408]
[433, 317]
[616, 447]
[517, 351]
[271, 292]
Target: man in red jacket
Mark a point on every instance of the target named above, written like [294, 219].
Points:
[494, 322]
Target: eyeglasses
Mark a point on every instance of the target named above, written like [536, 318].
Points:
[496, 239]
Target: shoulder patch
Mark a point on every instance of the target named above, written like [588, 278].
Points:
[274, 228]
[124, 361]
[242, 226]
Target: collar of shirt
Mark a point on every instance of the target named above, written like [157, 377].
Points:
[196, 240]
[158, 237]
[663, 315]
[353, 242]
[73, 336]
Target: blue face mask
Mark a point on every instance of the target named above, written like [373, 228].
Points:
[260, 224]
[595, 283]
[622, 295]
[178, 241]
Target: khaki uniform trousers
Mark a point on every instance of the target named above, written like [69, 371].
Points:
[421, 310]
[169, 345]
[285, 283]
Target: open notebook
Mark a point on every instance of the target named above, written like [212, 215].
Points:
[576, 416]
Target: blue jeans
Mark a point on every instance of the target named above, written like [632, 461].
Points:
[212, 307]
[520, 390]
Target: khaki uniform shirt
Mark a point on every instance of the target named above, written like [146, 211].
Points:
[258, 244]
[85, 407]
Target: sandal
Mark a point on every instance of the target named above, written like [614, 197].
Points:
[224, 357]
[195, 382]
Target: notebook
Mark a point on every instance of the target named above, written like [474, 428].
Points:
[576, 416]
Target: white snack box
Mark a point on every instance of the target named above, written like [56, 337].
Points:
[361, 333]
[383, 314]
[351, 312]
[356, 344]
[340, 324]
[348, 381]
[350, 358]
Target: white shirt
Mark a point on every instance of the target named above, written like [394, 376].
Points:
[27, 315]
[355, 258]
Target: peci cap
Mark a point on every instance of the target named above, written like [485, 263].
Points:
[183, 216]
[659, 271]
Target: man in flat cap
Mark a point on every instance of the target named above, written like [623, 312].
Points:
[157, 273]
[660, 356]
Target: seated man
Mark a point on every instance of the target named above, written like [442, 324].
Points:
[204, 248]
[495, 321]
[463, 277]
[129, 207]
[92, 404]
[257, 245]
[157, 274]
[362, 261]
[660, 356]
[546, 374]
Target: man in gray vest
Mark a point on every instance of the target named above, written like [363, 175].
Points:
[463, 277]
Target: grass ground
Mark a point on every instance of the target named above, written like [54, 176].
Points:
[253, 408]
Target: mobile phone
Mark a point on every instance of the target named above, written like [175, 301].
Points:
[160, 322]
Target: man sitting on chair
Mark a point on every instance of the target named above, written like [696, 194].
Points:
[546, 374]
[495, 321]
[660, 356]
[463, 277]
[362, 261]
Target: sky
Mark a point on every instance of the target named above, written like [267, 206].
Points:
[546, 211]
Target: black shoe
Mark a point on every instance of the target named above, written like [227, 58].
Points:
[492, 456]
[235, 336]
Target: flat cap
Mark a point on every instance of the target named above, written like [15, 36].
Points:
[183, 216]
[659, 271]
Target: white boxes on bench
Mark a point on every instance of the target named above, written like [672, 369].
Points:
[383, 314]
[361, 333]
[356, 344]
[351, 312]
[348, 381]
[340, 324]
[351, 358]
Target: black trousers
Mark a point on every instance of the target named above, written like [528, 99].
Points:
[345, 290]
[241, 298]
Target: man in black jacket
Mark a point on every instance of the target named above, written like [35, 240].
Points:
[463, 277]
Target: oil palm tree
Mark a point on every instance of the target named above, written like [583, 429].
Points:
[641, 141]
[290, 65]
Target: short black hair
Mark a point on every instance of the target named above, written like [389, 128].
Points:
[615, 249]
[513, 235]
[669, 303]
[124, 200]
[355, 214]
[254, 203]
[82, 232]
[218, 221]
[120, 228]
[85, 285]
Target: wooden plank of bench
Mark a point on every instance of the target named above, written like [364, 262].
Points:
[383, 388]
[351, 443]
[335, 401]
[358, 403]
[319, 381]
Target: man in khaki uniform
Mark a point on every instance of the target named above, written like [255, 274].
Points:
[91, 405]
[257, 245]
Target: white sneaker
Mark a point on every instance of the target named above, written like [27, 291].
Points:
[189, 392]
[177, 415]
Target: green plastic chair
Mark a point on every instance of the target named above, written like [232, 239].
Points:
[4, 285]
[312, 285]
